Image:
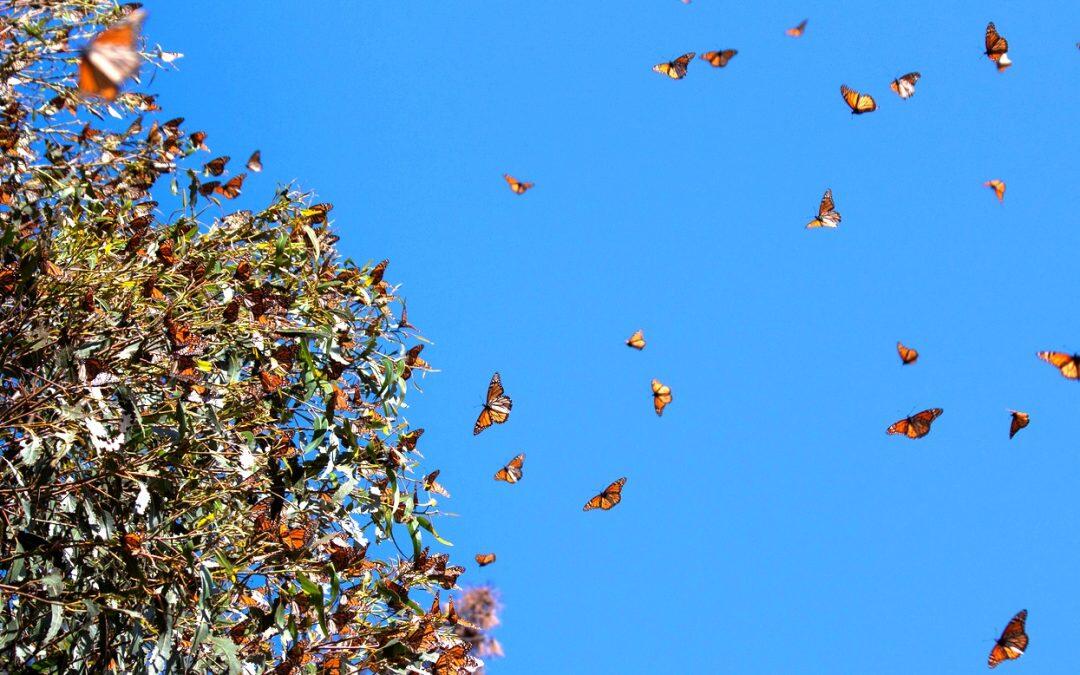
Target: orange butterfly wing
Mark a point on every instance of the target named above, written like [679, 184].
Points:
[917, 425]
[496, 407]
[1013, 641]
[661, 396]
[607, 499]
[1019, 421]
[998, 186]
[1068, 364]
[907, 355]
[484, 559]
[512, 472]
[858, 102]
[518, 187]
[797, 30]
[720, 58]
[996, 45]
[637, 340]
[110, 58]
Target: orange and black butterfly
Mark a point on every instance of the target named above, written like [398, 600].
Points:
[661, 394]
[518, 187]
[1013, 640]
[858, 102]
[1068, 364]
[904, 86]
[432, 486]
[216, 166]
[230, 190]
[294, 538]
[997, 47]
[676, 69]
[907, 354]
[637, 340]
[512, 472]
[254, 162]
[797, 31]
[496, 407]
[998, 186]
[611, 496]
[719, 59]
[827, 216]
[110, 58]
[414, 360]
[917, 425]
[485, 559]
[1019, 421]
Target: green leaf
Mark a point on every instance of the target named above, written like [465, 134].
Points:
[425, 523]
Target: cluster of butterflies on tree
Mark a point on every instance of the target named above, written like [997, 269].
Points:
[111, 57]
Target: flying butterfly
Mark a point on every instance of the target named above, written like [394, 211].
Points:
[1068, 364]
[254, 162]
[904, 86]
[1013, 640]
[216, 166]
[827, 216]
[431, 485]
[512, 472]
[230, 190]
[111, 58]
[485, 559]
[858, 102]
[907, 354]
[997, 47]
[516, 186]
[676, 69]
[611, 496]
[637, 340]
[414, 360]
[998, 187]
[661, 396]
[797, 31]
[917, 425]
[719, 59]
[496, 407]
[1019, 421]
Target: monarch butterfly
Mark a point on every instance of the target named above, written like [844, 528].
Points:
[230, 190]
[294, 538]
[676, 69]
[413, 360]
[997, 47]
[1068, 364]
[254, 162]
[637, 340]
[485, 559]
[827, 215]
[216, 166]
[518, 187]
[453, 661]
[661, 396]
[904, 86]
[512, 472]
[270, 382]
[917, 425]
[797, 31]
[1013, 640]
[110, 58]
[998, 186]
[376, 273]
[611, 496]
[719, 59]
[1019, 421]
[496, 407]
[859, 103]
[907, 355]
[431, 486]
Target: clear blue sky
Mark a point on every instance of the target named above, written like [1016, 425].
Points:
[768, 525]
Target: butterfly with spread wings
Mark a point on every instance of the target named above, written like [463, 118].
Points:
[637, 340]
[1012, 643]
[512, 472]
[907, 354]
[998, 186]
[496, 407]
[518, 187]
[1018, 422]
[917, 425]
[1068, 364]
[797, 31]
[720, 58]
[611, 496]
[904, 86]
[111, 58]
[997, 47]
[858, 102]
[661, 396]
[827, 216]
[676, 69]
[484, 559]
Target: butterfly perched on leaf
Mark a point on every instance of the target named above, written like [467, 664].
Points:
[661, 396]
[111, 58]
[998, 186]
[611, 496]
[907, 354]
[294, 538]
[797, 31]
[827, 216]
[254, 162]
[637, 340]
[516, 186]
[904, 86]
[997, 47]
[453, 661]
[1068, 364]
[1013, 640]
[496, 407]
[676, 69]
[485, 559]
[917, 425]
[858, 102]
[1018, 422]
[512, 472]
[719, 59]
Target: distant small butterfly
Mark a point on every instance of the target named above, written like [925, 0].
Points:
[254, 162]
[676, 69]
[637, 340]
[907, 355]
[1019, 421]
[858, 102]
[1068, 364]
[518, 187]
[917, 425]
[611, 496]
[904, 86]
[111, 58]
[719, 59]
[485, 559]
[512, 472]
[496, 406]
[661, 396]
[999, 188]
[797, 31]
[1013, 640]
[827, 215]
[997, 47]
